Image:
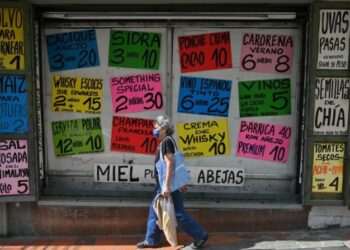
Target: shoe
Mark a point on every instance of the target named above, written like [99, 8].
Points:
[198, 244]
[144, 244]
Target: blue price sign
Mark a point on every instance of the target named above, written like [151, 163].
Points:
[204, 96]
[72, 50]
[13, 104]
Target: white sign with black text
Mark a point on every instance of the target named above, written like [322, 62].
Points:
[333, 39]
[331, 106]
[127, 173]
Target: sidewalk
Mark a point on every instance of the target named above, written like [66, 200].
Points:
[325, 239]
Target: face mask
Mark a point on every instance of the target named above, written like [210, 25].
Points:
[156, 133]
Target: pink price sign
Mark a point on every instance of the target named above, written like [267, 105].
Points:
[136, 93]
[14, 171]
[266, 53]
[263, 141]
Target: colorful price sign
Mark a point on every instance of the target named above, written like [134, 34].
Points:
[205, 52]
[263, 141]
[136, 93]
[77, 136]
[328, 165]
[204, 96]
[14, 172]
[264, 97]
[12, 39]
[13, 104]
[132, 49]
[204, 138]
[266, 53]
[77, 94]
[72, 50]
[133, 135]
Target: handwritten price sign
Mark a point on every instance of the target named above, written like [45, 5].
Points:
[72, 50]
[12, 39]
[204, 138]
[133, 135]
[132, 49]
[136, 93]
[264, 97]
[328, 168]
[77, 94]
[331, 106]
[333, 40]
[266, 53]
[263, 141]
[14, 172]
[77, 136]
[13, 104]
[204, 96]
[205, 52]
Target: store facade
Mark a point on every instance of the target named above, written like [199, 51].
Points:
[259, 101]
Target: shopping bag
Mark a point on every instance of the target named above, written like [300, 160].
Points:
[180, 176]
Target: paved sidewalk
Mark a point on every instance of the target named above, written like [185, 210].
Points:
[327, 239]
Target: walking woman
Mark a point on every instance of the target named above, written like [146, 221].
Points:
[163, 130]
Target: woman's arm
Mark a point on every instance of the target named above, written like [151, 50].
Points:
[169, 160]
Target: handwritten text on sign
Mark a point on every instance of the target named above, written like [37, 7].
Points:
[11, 39]
[204, 96]
[72, 50]
[13, 104]
[333, 39]
[136, 93]
[133, 135]
[263, 141]
[77, 94]
[125, 173]
[264, 97]
[266, 53]
[204, 138]
[331, 106]
[205, 52]
[131, 49]
[328, 167]
[77, 136]
[14, 172]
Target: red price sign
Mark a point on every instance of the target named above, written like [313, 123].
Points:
[205, 52]
[133, 135]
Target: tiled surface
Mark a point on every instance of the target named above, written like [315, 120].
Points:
[330, 239]
[74, 243]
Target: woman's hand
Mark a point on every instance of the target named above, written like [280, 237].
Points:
[183, 189]
[166, 192]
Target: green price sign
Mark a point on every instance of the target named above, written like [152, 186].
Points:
[264, 97]
[78, 136]
[131, 49]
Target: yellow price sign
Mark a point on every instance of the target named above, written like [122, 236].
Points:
[327, 168]
[204, 138]
[11, 39]
[77, 94]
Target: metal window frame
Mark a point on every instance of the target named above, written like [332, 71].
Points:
[164, 21]
[310, 198]
[30, 136]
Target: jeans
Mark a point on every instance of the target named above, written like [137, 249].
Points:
[184, 221]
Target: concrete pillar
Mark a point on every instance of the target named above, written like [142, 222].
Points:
[3, 219]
